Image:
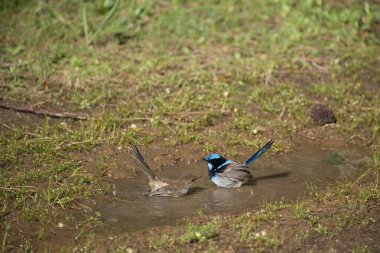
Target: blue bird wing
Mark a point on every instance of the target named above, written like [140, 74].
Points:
[259, 153]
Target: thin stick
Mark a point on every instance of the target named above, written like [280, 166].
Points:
[8, 127]
[192, 113]
[137, 119]
[12, 64]
[64, 115]
[282, 113]
[370, 142]
[15, 188]
[309, 137]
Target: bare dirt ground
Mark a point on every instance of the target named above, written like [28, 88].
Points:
[183, 79]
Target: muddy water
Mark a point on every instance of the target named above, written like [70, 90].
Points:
[284, 177]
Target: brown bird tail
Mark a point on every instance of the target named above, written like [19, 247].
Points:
[144, 166]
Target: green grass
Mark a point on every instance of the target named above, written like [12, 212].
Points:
[220, 76]
[5, 236]
[161, 242]
[300, 210]
[201, 233]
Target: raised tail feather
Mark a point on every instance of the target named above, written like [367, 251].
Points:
[259, 153]
[144, 166]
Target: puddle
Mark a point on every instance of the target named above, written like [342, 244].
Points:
[129, 210]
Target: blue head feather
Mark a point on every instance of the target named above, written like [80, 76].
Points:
[216, 163]
[211, 157]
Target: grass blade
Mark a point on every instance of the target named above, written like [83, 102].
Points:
[105, 21]
[85, 24]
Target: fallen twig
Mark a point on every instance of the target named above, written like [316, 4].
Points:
[282, 113]
[194, 113]
[309, 137]
[355, 136]
[72, 144]
[12, 64]
[67, 115]
[187, 113]
[18, 188]
[137, 119]
[369, 143]
[8, 127]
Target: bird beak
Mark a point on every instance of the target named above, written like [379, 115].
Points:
[204, 159]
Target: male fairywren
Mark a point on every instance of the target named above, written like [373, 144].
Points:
[164, 187]
[229, 174]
